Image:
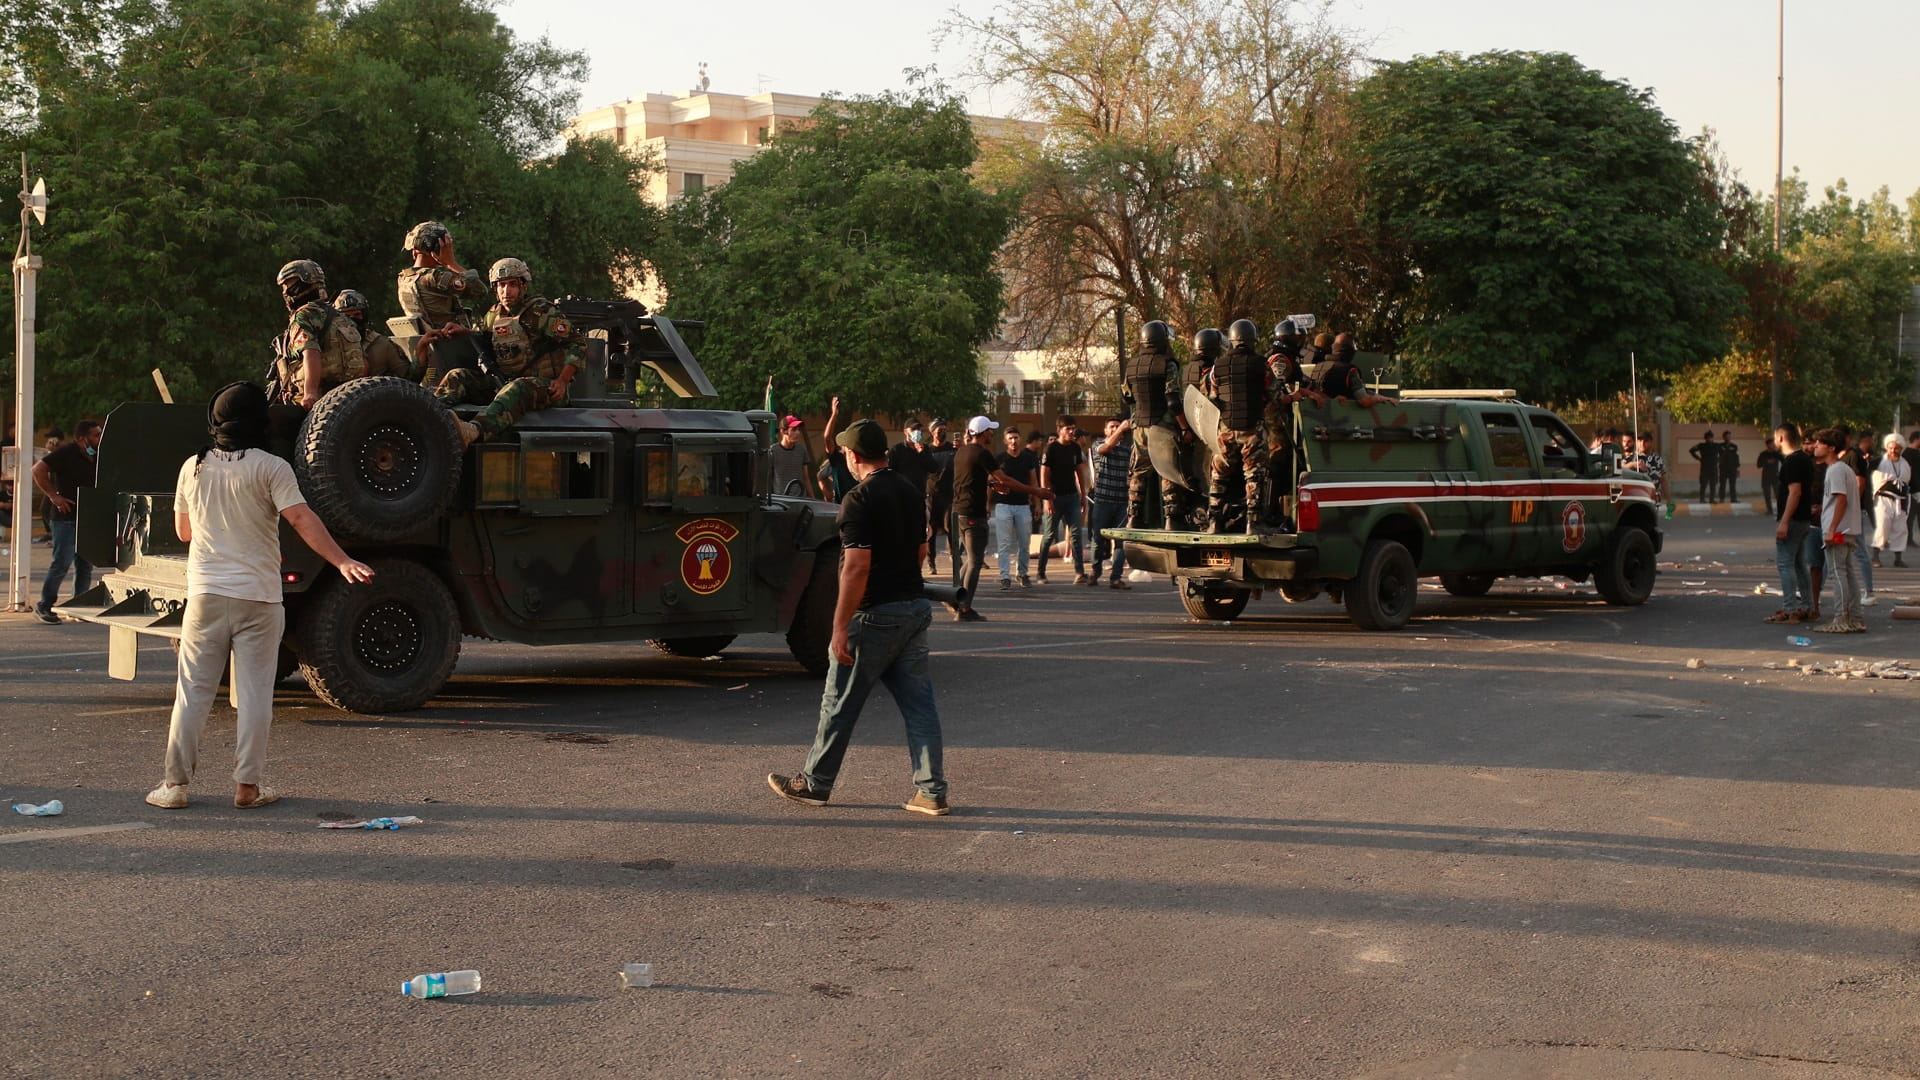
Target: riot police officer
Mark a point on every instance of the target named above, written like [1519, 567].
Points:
[1241, 386]
[1208, 344]
[1151, 386]
[320, 348]
[1288, 384]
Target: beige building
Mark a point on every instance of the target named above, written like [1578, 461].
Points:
[699, 137]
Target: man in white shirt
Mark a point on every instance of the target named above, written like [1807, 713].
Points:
[227, 507]
[1840, 527]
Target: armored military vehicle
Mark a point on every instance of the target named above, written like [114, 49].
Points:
[1466, 486]
[599, 522]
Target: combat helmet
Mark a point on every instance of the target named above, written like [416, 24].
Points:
[1243, 334]
[302, 278]
[1154, 336]
[1208, 342]
[508, 269]
[350, 300]
[427, 236]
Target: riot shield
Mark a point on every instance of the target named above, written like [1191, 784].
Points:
[1203, 416]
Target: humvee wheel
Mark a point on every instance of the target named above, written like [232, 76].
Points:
[377, 458]
[696, 647]
[1214, 604]
[812, 629]
[385, 646]
[1380, 596]
[1467, 584]
[1625, 574]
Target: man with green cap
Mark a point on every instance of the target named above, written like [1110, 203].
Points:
[879, 628]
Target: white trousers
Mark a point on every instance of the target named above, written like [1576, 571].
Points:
[215, 627]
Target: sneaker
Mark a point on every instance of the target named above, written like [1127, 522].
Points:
[1006, 584]
[923, 803]
[1082, 579]
[1027, 582]
[168, 796]
[46, 615]
[1868, 600]
[970, 615]
[1041, 580]
[796, 788]
[1119, 583]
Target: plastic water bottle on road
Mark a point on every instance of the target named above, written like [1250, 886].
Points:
[442, 984]
[1803, 642]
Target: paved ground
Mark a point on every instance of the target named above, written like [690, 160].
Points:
[1522, 838]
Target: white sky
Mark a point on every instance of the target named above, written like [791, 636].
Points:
[1853, 104]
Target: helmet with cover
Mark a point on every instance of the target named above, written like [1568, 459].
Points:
[427, 236]
[508, 270]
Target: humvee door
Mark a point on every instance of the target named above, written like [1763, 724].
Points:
[693, 502]
[545, 505]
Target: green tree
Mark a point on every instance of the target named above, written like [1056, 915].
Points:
[853, 257]
[1556, 223]
[194, 146]
[1192, 169]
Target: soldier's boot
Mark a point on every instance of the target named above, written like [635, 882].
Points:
[1218, 510]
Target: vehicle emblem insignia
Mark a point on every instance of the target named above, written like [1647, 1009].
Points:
[707, 562]
[1573, 527]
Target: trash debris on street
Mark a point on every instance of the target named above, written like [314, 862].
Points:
[374, 823]
[46, 809]
[634, 975]
[1851, 668]
[442, 984]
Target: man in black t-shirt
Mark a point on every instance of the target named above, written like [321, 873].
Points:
[60, 476]
[939, 490]
[1063, 471]
[1798, 497]
[976, 476]
[1013, 510]
[879, 628]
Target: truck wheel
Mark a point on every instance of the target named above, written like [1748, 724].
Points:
[1467, 584]
[1625, 575]
[1214, 604]
[812, 631]
[1380, 596]
[377, 458]
[385, 646]
[695, 647]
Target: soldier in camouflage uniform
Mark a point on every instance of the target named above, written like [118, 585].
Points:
[437, 293]
[384, 356]
[1207, 346]
[320, 348]
[1241, 386]
[1288, 383]
[1151, 385]
[534, 347]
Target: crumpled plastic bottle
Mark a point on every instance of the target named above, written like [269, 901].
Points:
[46, 809]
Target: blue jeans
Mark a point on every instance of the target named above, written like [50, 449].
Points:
[1107, 515]
[1012, 531]
[1790, 558]
[889, 645]
[65, 558]
[1062, 510]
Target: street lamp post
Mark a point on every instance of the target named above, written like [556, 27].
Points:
[26, 267]
[1779, 189]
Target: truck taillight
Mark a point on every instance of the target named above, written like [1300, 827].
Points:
[291, 577]
[1308, 512]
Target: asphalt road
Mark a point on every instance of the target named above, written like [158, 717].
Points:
[1521, 838]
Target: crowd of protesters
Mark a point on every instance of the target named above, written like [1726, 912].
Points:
[1842, 503]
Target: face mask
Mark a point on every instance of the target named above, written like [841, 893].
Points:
[917, 436]
[92, 450]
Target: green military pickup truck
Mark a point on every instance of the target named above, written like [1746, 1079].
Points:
[1466, 486]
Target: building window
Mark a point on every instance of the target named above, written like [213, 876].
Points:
[692, 182]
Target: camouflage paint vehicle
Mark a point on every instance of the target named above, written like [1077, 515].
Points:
[1469, 488]
[600, 522]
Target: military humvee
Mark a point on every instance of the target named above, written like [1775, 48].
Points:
[1468, 486]
[594, 523]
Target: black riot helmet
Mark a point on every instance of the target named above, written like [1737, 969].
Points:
[1208, 343]
[1154, 336]
[1243, 334]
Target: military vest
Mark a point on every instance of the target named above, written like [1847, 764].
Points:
[1240, 382]
[428, 300]
[518, 350]
[1147, 382]
[341, 355]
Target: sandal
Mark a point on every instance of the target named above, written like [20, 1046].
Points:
[265, 797]
[1837, 626]
[1783, 615]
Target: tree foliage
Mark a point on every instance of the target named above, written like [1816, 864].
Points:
[1192, 169]
[1555, 223]
[194, 146]
[852, 257]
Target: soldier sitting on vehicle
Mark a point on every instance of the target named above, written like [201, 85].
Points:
[1241, 386]
[534, 347]
[1343, 379]
[321, 348]
[384, 356]
[437, 293]
[1151, 385]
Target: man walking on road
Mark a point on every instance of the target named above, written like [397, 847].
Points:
[1840, 526]
[60, 476]
[879, 628]
[227, 509]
